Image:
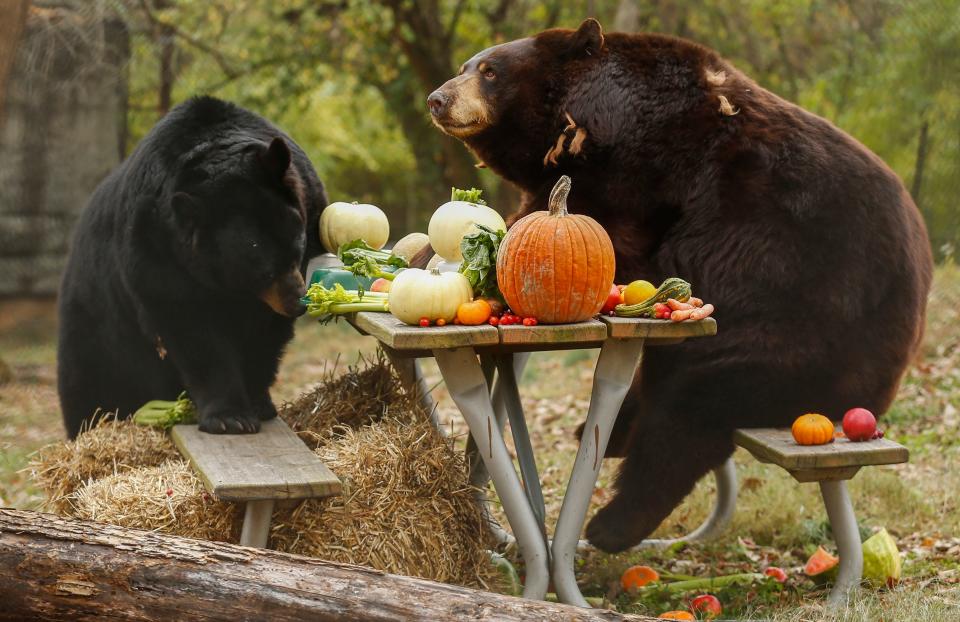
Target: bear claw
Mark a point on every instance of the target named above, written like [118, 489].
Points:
[230, 424]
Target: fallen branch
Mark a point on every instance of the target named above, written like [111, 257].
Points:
[53, 568]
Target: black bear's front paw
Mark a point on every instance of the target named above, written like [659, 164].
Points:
[264, 409]
[616, 528]
[230, 422]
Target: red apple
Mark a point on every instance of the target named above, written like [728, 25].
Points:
[708, 605]
[381, 285]
[859, 424]
[613, 299]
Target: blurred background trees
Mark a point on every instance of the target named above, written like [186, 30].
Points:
[348, 78]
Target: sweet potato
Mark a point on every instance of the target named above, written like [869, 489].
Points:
[676, 305]
[681, 314]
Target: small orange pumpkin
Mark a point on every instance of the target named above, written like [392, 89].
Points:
[556, 266]
[812, 429]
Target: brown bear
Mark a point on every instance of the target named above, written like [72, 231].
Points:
[808, 244]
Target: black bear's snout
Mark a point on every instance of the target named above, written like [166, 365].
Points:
[437, 102]
[284, 295]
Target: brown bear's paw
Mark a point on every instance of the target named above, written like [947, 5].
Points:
[616, 528]
[233, 422]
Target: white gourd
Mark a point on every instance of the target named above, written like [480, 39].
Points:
[343, 222]
[455, 219]
[428, 294]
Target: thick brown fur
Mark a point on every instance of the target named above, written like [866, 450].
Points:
[808, 244]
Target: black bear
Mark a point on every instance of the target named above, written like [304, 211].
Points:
[813, 252]
[186, 271]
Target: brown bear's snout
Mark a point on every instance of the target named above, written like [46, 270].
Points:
[438, 102]
[284, 294]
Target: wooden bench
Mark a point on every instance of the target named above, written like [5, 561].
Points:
[831, 466]
[256, 469]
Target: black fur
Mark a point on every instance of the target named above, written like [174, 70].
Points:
[172, 259]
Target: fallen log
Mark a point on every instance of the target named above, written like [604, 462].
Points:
[53, 568]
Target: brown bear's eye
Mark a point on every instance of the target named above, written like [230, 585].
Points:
[489, 74]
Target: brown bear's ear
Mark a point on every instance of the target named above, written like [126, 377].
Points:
[588, 39]
[276, 158]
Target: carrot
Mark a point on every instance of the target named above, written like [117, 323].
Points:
[701, 313]
[697, 302]
[681, 314]
[676, 305]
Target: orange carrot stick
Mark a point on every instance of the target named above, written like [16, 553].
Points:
[703, 312]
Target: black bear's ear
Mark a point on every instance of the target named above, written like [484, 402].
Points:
[276, 158]
[588, 39]
[186, 210]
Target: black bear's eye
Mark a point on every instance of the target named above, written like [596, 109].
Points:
[489, 74]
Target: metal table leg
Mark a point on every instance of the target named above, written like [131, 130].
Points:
[720, 517]
[521, 442]
[843, 522]
[616, 368]
[467, 386]
[408, 369]
[478, 472]
[256, 523]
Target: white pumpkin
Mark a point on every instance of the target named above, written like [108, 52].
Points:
[343, 222]
[434, 262]
[455, 219]
[428, 294]
[409, 245]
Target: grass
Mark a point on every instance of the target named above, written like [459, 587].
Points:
[778, 522]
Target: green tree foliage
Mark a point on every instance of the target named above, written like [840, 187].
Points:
[348, 78]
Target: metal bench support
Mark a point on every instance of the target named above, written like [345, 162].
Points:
[720, 516]
[256, 523]
[846, 534]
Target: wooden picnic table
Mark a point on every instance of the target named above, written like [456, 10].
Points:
[468, 356]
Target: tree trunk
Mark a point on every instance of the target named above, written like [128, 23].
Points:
[167, 44]
[13, 18]
[58, 569]
[921, 163]
[428, 50]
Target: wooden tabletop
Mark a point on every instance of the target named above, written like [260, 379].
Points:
[777, 446]
[398, 336]
[633, 328]
[272, 464]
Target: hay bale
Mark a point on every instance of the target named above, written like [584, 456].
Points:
[367, 392]
[113, 446]
[168, 498]
[407, 508]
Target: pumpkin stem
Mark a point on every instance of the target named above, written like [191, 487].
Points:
[558, 196]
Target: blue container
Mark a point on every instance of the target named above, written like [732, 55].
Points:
[328, 277]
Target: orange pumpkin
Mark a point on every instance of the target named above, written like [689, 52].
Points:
[812, 429]
[556, 266]
[474, 313]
